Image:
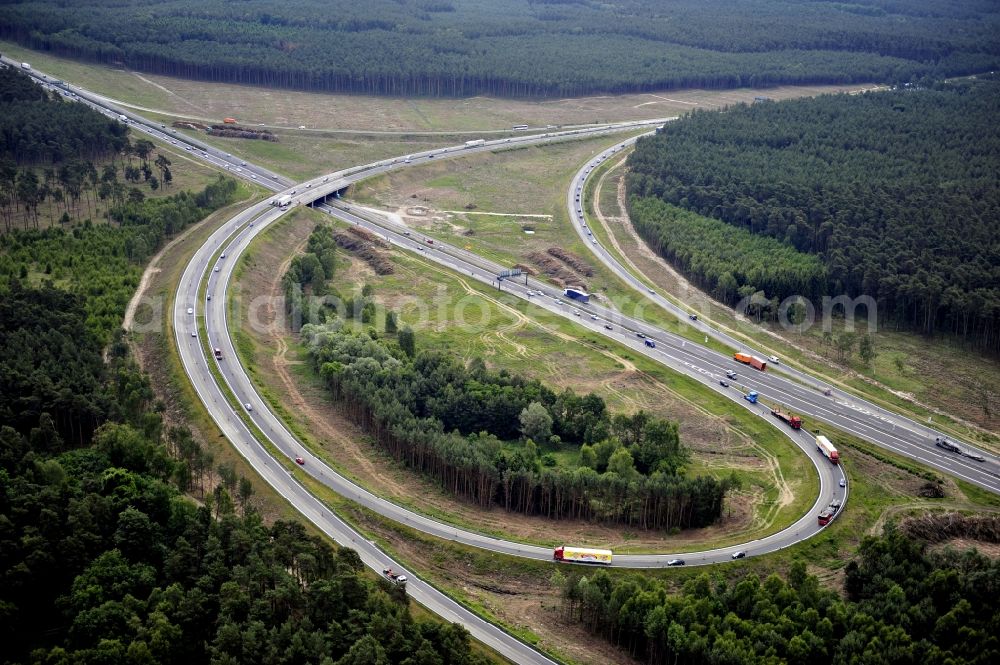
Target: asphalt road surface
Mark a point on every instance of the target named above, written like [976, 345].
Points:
[792, 389]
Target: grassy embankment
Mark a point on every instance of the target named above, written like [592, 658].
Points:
[458, 201]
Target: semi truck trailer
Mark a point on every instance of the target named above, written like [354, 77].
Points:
[824, 446]
[582, 555]
[748, 359]
[793, 421]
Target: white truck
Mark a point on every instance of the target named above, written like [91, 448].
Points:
[282, 201]
[123, 118]
[473, 144]
[824, 446]
[25, 65]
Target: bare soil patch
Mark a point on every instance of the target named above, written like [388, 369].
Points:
[557, 270]
[367, 246]
[992, 550]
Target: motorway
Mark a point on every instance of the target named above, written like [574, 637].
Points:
[787, 386]
[210, 263]
[798, 392]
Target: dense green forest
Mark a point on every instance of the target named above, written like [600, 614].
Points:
[102, 556]
[518, 47]
[904, 605]
[483, 434]
[897, 192]
[39, 127]
[64, 157]
[103, 262]
[103, 560]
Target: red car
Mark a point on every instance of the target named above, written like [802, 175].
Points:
[299, 460]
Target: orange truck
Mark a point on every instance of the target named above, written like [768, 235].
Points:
[229, 121]
[753, 361]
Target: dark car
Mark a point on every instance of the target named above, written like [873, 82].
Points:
[693, 317]
[723, 383]
[299, 460]
[608, 326]
[640, 336]
[739, 555]
[675, 562]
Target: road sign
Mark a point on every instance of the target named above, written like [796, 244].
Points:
[512, 272]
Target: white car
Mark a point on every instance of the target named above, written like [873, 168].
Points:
[216, 269]
[593, 316]
[773, 359]
[194, 334]
[190, 310]
[248, 407]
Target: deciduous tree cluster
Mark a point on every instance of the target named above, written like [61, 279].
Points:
[102, 559]
[904, 605]
[455, 423]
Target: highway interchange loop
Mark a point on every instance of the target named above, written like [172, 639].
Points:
[226, 400]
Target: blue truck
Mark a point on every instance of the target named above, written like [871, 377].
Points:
[577, 294]
[751, 397]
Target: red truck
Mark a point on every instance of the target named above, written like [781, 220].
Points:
[753, 361]
[828, 513]
[793, 421]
